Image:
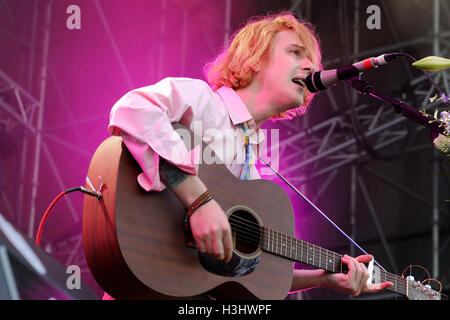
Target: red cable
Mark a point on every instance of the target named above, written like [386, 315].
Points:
[93, 193]
[44, 217]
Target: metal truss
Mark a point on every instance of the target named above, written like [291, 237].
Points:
[321, 149]
[27, 111]
[331, 144]
[19, 108]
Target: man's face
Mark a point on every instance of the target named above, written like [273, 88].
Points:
[287, 62]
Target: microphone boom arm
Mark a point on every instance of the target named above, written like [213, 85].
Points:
[436, 126]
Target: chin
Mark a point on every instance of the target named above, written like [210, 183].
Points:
[290, 102]
[298, 98]
[297, 102]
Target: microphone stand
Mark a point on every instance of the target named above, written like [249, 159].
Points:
[436, 126]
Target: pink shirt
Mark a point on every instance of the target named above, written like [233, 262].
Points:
[144, 117]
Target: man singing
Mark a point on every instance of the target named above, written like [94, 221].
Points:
[259, 76]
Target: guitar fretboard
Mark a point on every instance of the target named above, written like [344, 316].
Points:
[301, 251]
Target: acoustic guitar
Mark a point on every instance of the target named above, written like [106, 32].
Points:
[135, 245]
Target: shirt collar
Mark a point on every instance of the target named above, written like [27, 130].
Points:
[236, 108]
[239, 113]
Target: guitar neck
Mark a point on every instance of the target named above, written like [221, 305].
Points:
[297, 250]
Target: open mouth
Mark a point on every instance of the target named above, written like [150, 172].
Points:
[299, 82]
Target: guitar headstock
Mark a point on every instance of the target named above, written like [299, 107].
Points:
[418, 291]
[407, 287]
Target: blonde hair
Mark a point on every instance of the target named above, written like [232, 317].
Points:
[235, 65]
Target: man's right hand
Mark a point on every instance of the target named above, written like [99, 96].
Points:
[209, 224]
[211, 231]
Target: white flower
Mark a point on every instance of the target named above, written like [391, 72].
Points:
[442, 143]
[445, 117]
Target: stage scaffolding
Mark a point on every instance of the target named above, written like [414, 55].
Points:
[21, 108]
[325, 147]
[332, 144]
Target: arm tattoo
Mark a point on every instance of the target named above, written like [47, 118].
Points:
[170, 174]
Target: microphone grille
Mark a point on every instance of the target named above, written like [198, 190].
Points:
[314, 83]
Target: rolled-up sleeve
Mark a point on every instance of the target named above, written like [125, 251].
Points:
[144, 117]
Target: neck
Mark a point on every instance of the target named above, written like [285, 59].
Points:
[257, 103]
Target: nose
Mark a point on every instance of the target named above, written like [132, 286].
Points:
[308, 66]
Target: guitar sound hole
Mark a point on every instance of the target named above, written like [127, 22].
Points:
[246, 231]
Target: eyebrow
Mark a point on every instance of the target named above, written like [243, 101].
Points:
[302, 48]
[297, 46]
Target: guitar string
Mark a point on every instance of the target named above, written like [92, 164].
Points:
[399, 283]
[303, 245]
[252, 241]
[299, 243]
[288, 237]
[257, 228]
[324, 253]
[387, 277]
[255, 241]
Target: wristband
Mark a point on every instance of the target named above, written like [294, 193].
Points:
[203, 199]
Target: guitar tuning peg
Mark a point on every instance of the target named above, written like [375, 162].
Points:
[410, 278]
[414, 283]
[426, 288]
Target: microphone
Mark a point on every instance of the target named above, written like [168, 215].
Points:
[321, 80]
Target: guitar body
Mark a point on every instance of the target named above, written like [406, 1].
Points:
[135, 244]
